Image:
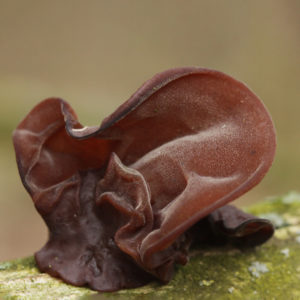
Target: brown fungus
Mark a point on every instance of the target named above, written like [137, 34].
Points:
[124, 201]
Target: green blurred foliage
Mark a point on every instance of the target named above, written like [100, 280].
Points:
[94, 54]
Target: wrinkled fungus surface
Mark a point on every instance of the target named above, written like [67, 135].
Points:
[125, 201]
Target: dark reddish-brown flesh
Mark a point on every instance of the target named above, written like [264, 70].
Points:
[124, 201]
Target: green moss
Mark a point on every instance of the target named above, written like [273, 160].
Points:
[268, 272]
[20, 279]
[289, 203]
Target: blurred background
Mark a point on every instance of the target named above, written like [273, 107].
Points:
[95, 54]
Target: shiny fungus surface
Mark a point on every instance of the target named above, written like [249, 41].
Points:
[124, 201]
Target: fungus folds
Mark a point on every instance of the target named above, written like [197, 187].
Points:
[124, 201]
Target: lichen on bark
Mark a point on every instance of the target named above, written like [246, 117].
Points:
[271, 271]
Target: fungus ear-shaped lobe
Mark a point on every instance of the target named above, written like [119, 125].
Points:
[232, 225]
[182, 102]
[126, 190]
[48, 158]
[209, 128]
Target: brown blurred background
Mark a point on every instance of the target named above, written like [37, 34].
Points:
[95, 53]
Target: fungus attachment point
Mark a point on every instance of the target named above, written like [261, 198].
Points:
[124, 201]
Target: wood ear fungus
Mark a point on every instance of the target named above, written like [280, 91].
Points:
[124, 201]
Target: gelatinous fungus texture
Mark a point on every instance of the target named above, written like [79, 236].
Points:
[124, 201]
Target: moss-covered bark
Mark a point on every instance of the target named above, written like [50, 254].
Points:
[268, 272]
